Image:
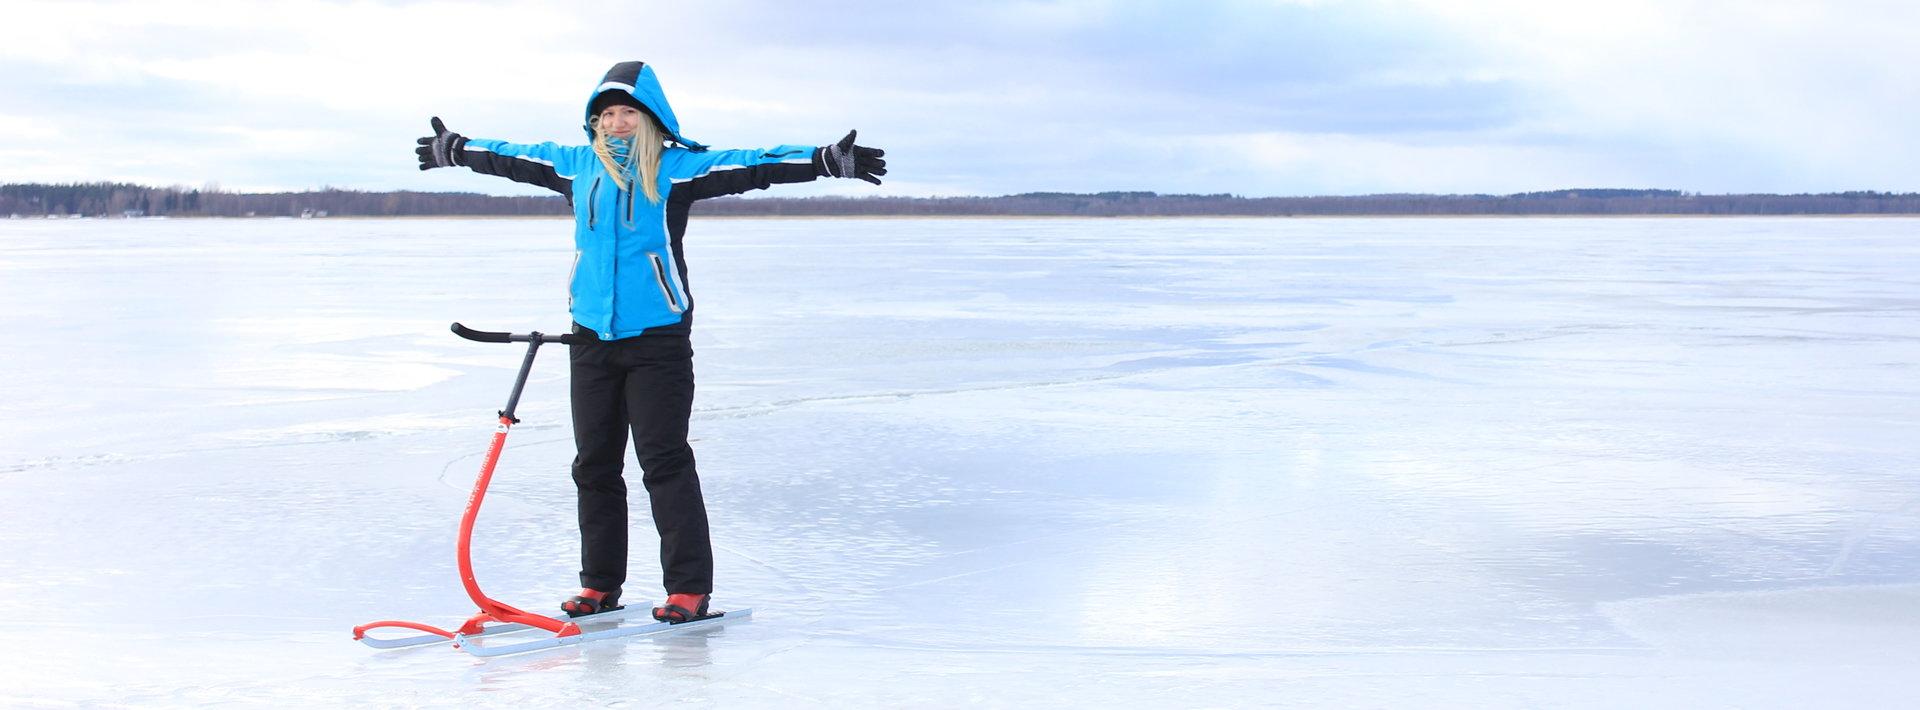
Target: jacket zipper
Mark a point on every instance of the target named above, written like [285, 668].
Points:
[660, 274]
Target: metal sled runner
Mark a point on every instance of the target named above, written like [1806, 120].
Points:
[506, 618]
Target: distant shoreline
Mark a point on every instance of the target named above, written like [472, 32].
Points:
[130, 200]
[995, 217]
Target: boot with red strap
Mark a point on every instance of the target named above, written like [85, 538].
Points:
[591, 601]
[682, 608]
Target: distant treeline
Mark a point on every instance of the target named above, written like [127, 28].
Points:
[1148, 204]
[122, 199]
[128, 200]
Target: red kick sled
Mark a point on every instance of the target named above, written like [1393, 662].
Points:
[503, 618]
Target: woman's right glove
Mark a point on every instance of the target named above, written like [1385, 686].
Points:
[846, 160]
[442, 149]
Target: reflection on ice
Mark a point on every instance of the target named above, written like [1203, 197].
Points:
[1006, 462]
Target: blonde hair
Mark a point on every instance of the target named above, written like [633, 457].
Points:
[648, 143]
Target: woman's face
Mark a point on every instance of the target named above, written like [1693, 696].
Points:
[620, 121]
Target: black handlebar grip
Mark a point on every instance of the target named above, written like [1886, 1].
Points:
[481, 335]
[487, 336]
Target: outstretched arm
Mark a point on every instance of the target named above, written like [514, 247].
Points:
[731, 172]
[548, 165]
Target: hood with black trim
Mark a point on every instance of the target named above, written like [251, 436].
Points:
[637, 79]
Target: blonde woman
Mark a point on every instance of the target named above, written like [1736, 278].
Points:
[631, 189]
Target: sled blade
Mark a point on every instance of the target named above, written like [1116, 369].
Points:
[460, 641]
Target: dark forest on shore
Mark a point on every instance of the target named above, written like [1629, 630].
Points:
[31, 200]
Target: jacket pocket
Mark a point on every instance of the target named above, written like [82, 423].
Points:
[572, 274]
[666, 289]
[593, 194]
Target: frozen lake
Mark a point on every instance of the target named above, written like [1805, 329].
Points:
[1165, 463]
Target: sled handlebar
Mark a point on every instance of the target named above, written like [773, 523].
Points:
[533, 341]
[487, 336]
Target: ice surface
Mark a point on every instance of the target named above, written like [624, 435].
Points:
[1165, 463]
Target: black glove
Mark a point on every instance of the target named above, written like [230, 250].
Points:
[846, 160]
[442, 149]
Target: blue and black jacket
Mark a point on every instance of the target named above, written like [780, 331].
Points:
[629, 273]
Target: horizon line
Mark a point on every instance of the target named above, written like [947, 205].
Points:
[1637, 192]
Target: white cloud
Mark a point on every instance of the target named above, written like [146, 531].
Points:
[995, 97]
[1814, 96]
[28, 129]
[1329, 164]
[357, 54]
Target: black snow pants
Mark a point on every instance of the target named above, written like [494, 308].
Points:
[642, 385]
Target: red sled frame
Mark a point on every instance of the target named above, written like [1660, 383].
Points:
[491, 610]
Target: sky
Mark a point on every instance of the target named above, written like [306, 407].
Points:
[1249, 97]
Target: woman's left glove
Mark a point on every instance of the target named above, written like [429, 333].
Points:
[846, 160]
[442, 149]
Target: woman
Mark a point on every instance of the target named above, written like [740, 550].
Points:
[631, 189]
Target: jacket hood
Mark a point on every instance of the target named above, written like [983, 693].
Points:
[637, 79]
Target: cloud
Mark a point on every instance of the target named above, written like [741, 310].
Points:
[1239, 96]
[1778, 95]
